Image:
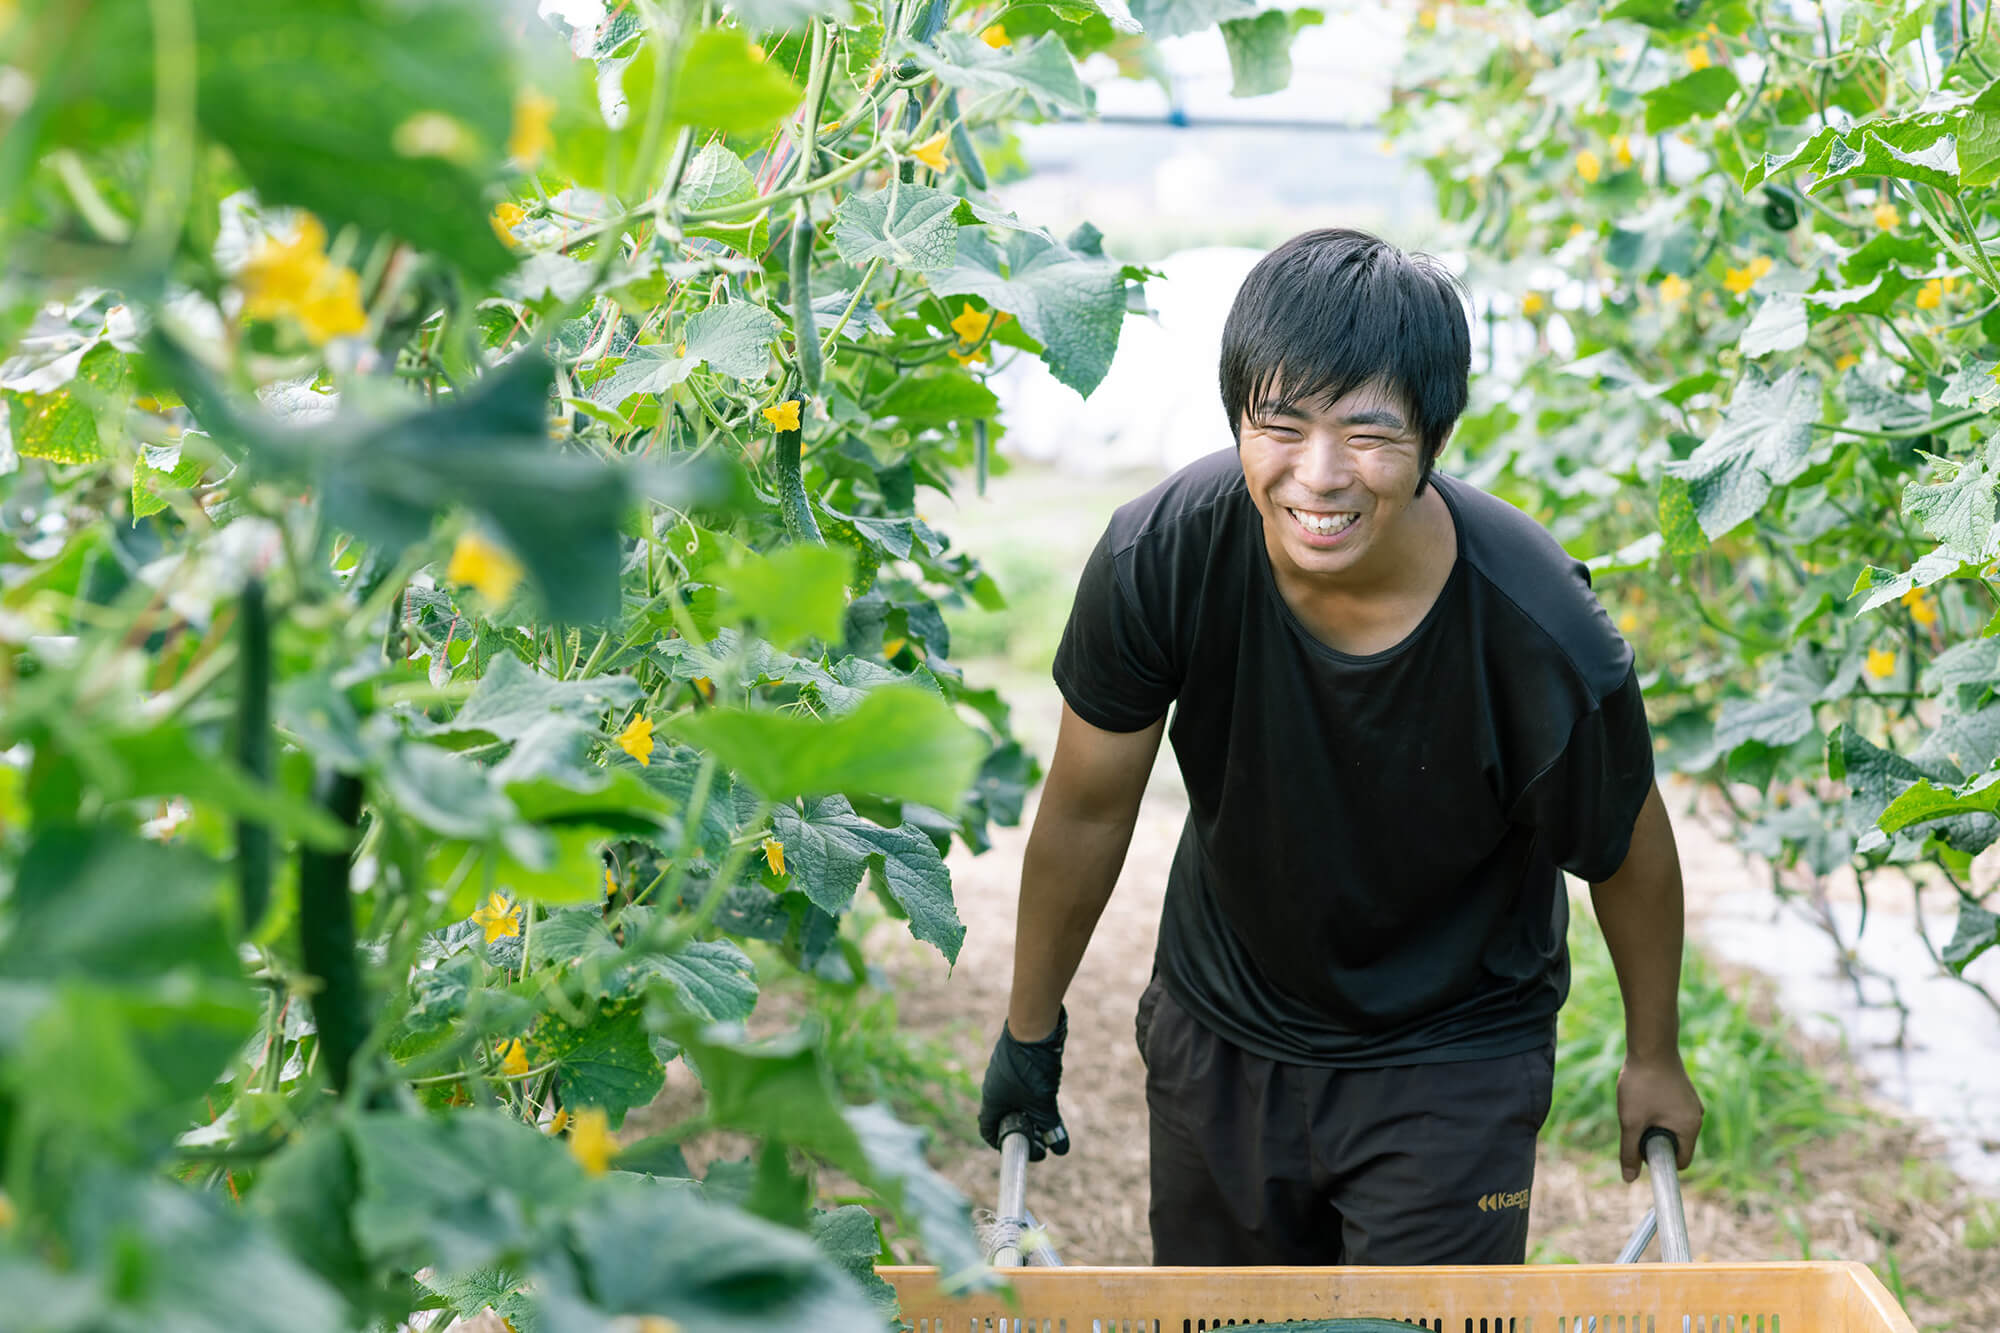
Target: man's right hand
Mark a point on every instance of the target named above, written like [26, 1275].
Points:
[1022, 1076]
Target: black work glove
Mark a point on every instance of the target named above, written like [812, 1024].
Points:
[1021, 1079]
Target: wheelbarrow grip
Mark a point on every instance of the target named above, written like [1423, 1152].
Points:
[1662, 1153]
[1014, 1131]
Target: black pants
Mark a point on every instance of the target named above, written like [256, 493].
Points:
[1259, 1162]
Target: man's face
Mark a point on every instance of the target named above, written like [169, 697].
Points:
[1333, 483]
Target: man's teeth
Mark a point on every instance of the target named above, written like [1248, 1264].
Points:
[1323, 525]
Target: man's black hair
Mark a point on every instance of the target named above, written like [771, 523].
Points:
[1333, 309]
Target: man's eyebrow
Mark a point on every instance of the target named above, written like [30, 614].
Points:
[1275, 408]
[1380, 416]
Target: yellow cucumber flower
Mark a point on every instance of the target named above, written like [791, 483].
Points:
[295, 279]
[996, 36]
[637, 740]
[774, 855]
[1589, 166]
[1673, 289]
[531, 136]
[785, 416]
[1886, 216]
[1881, 662]
[514, 1059]
[590, 1140]
[486, 565]
[931, 151]
[499, 917]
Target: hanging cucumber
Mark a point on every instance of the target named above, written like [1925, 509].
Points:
[962, 151]
[805, 333]
[793, 502]
[326, 935]
[254, 751]
[929, 20]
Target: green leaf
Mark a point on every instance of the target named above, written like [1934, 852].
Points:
[1771, 166]
[711, 980]
[1884, 586]
[647, 368]
[667, 1253]
[1972, 383]
[723, 86]
[170, 1257]
[1888, 251]
[1880, 295]
[487, 448]
[1260, 50]
[1977, 931]
[852, 1238]
[444, 792]
[318, 101]
[306, 1193]
[901, 743]
[161, 469]
[1924, 801]
[1705, 92]
[794, 594]
[1978, 131]
[1073, 304]
[1958, 511]
[1040, 66]
[1765, 440]
[607, 1062]
[456, 1192]
[778, 1089]
[1934, 162]
[897, 1170]
[829, 848]
[513, 700]
[717, 178]
[1177, 18]
[734, 338]
[1678, 524]
[1778, 326]
[911, 226]
[61, 425]
[96, 902]
[938, 399]
[1971, 662]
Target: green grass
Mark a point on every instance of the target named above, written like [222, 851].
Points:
[1763, 1101]
[1026, 632]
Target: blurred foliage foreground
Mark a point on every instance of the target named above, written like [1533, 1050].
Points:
[460, 576]
[1758, 235]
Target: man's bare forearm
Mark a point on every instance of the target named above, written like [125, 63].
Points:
[1075, 850]
[1641, 913]
[1067, 875]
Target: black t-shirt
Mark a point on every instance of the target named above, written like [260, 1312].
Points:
[1368, 875]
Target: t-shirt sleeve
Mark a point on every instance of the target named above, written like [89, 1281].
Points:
[1583, 804]
[1110, 666]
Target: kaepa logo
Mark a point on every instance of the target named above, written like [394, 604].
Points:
[1493, 1202]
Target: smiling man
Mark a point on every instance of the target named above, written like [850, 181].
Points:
[1401, 714]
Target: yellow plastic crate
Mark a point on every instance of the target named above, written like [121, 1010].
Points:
[1551, 1298]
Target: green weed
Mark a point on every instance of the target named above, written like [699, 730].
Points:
[1982, 1225]
[876, 1059]
[1763, 1102]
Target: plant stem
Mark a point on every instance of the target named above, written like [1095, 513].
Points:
[1931, 427]
[867, 276]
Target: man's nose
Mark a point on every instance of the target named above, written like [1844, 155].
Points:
[1325, 465]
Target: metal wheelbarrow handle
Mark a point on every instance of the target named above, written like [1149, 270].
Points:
[1014, 1217]
[1666, 1217]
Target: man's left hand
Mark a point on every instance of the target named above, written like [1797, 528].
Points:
[1650, 1093]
